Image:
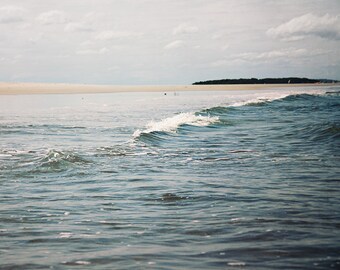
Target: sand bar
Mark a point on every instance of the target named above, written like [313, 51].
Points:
[60, 88]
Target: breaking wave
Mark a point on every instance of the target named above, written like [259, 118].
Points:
[171, 124]
[217, 116]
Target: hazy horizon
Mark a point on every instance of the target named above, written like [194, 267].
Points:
[153, 42]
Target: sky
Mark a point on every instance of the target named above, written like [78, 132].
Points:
[131, 42]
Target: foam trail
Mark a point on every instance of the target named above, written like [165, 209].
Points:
[171, 124]
[268, 97]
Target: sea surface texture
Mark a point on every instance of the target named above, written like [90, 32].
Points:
[187, 180]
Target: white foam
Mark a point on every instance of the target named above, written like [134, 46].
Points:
[236, 263]
[82, 262]
[5, 155]
[271, 96]
[261, 99]
[65, 235]
[171, 124]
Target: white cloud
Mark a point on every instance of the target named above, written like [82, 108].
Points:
[170, 34]
[326, 26]
[220, 63]
[77, 27]
[174, 45]
[52, 17]
[87, 43]
[185, 28]
[109, 35]
[113, 68]
[257, 57]
[217, 36]
[92, 51]
[270, 55]
[225, 47]
[11, 14]
[270, 58]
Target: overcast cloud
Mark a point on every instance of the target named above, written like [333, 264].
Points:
[167, 41]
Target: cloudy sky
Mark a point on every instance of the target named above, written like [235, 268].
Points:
[167, 41]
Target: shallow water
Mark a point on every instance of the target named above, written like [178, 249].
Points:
[206, 180]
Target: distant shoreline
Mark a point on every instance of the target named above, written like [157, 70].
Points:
[60, 88]
[284, 80]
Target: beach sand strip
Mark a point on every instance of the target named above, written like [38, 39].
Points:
[60, 88]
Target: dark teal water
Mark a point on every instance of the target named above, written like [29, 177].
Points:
[219, 180]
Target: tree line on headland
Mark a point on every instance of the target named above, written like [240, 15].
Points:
[265, 81]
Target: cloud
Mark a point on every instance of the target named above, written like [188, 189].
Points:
[225, 47]
[77, 27]
[52, 17]
[270, 55]
[257, 57]
[60, 17]
[109, 35]
[11, 14]
[169, 34]
[327, 27]
[92, 51]
[185, 28]
[220, 63]
[174, 45]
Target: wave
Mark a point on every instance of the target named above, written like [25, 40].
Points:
[31, 129]
[320, 132]
[171, 124]
[157, 131]
[123, 150]
[263, 100]
[299, 97]
[59, 161]
[219, 110]
[275, 96]
[30, 162]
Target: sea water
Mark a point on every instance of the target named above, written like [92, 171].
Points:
[187, 180]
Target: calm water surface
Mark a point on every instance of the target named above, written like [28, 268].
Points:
[205, 180]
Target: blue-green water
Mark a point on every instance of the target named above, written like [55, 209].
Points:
[190, 180]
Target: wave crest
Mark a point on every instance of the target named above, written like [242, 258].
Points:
[57, 161]
[171, 124]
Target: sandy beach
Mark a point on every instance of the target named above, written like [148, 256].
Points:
[59, 88]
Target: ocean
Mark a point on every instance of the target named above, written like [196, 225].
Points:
[176, 180]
